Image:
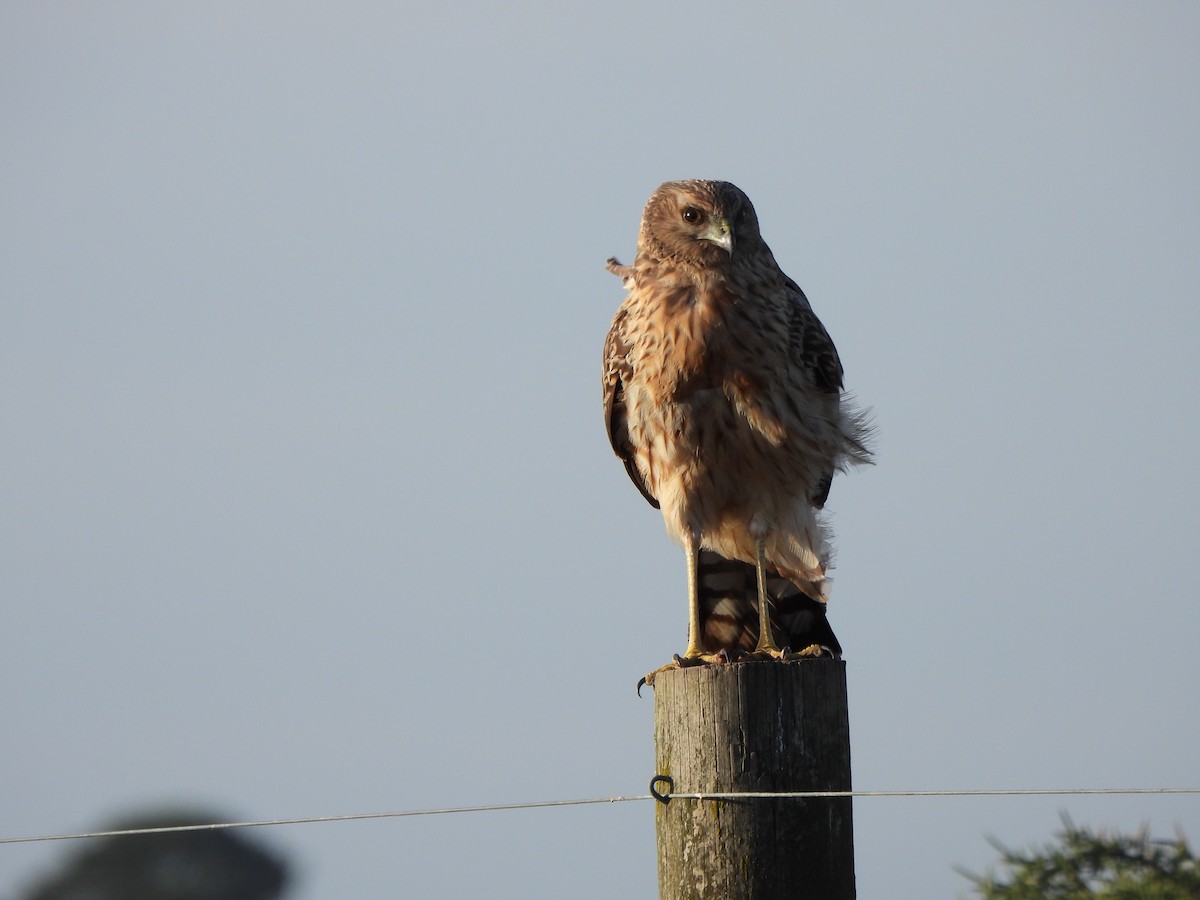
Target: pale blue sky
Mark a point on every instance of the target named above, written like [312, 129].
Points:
[307, 502]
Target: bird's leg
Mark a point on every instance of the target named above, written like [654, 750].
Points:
[766, 643]
[694, 655]
[694, 649]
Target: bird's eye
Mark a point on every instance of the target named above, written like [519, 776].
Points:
[692, 216]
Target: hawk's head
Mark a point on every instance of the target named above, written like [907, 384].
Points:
[701, 222]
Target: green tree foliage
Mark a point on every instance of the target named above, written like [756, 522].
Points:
[1083, 864]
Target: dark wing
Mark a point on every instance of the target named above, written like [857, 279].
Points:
[811, 344]
[812, 347]
[617, 371]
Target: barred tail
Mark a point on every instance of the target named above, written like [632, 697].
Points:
[728, 592]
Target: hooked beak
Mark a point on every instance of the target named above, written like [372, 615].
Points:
[719, 233]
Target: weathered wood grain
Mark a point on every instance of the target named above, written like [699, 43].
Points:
[754, 726]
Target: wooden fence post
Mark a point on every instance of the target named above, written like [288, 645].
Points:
[754, 726]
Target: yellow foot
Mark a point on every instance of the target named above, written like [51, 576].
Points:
[812, 651]
[683, 662]
[764, 653]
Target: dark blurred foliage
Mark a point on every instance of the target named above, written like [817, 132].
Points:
[217, 864]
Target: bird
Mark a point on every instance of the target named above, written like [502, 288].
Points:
[723, 396]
